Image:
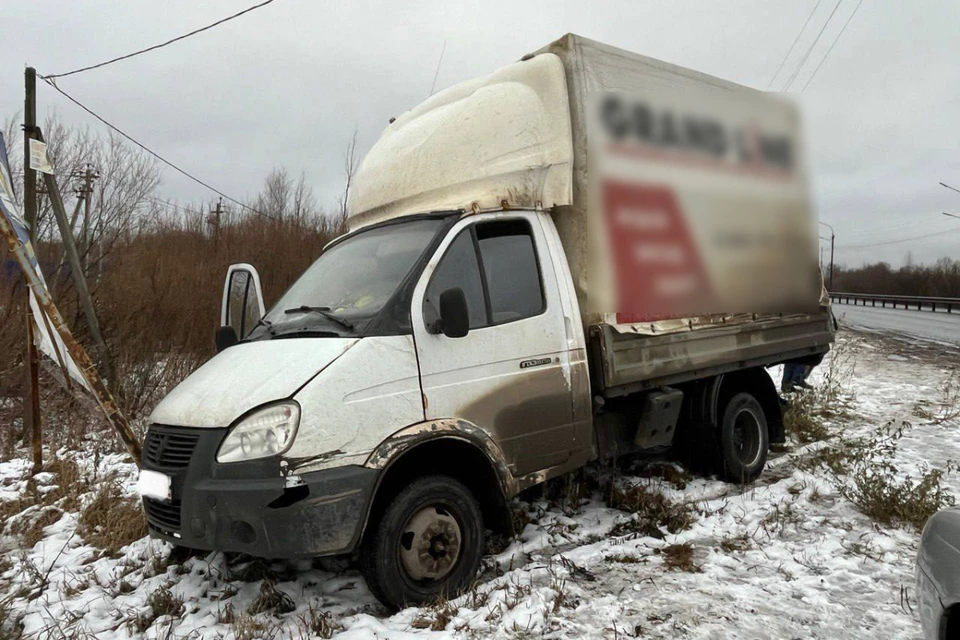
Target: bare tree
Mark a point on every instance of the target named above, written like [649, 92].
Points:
[350, 164]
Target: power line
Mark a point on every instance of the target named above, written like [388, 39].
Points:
[882, 244]
[158, 46]
[837, 39]
[803, 60]
[154, 153]
[795, 41]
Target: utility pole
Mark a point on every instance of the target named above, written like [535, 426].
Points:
[79, 278]
[31, 394]
[89, 175]
[833, 238]
[214, 221]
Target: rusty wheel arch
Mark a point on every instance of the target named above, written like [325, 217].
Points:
[419, 449]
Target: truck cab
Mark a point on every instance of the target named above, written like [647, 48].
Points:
[445, 344]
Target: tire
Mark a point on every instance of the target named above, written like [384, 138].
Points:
[406, 559]
[744, 439]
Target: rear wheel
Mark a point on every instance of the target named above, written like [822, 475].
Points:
[427, 543]
[744, 439]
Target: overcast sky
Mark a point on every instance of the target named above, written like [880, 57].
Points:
[287, 84]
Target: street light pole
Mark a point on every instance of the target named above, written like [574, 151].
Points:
[833, 237]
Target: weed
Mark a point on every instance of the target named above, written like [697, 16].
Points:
[626, 559]
[248, 627]
[798, 421]
[271, 599]
[520, 517]
[736, 543]
[31, 527]
[162, 602]
[865, 473]
[226, 614]
[436, 616]
[112, 521]
[653, 511]
[679, 557]
[947, 407]
[668, 472]
[10, 626]
[319, 623]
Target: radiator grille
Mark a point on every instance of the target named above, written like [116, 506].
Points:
[164, 516]
[169, 449]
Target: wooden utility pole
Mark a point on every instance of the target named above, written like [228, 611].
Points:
[31, 394]
[83, 292]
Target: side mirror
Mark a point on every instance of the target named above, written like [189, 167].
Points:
[226, 337]
[242, 304]
[454, 315]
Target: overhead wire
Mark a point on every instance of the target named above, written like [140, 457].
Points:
[806, 56]
[154, 153]
[835, 40]
[158, 46]
[795, 41]
[882, 244]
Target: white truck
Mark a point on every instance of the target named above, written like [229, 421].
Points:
[449, 351]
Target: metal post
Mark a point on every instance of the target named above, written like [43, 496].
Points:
[31, 394]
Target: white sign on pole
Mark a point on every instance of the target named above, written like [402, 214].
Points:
[38, 157]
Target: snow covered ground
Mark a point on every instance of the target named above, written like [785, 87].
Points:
[788, 557]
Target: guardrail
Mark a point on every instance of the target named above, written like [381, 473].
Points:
[908, 302]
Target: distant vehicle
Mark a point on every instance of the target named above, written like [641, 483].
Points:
[447, 352]
[938, 576]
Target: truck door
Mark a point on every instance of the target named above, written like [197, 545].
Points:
[509, 375]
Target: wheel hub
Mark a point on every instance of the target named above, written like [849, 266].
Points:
[430, 544]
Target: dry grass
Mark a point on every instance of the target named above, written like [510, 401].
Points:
[732, 544]
[271, 599]
[865, 472]
[317, 623]
[799, 421]
[112, 521]
[679, 557]
[162, 602]
[248, 627]
[31, 528]
[435, 616]
[653, 511]
[670, 472]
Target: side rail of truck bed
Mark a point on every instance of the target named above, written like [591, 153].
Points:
[629, 362]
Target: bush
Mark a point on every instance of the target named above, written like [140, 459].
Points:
[865, 472]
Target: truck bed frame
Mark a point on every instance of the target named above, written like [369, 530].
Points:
[625, 363]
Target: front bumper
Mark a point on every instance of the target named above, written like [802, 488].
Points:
[249, 507]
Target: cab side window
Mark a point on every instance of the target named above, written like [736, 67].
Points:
[459, 267]
[511, 270]
[495, 263]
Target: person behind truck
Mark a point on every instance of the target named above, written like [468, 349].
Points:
[795, 374]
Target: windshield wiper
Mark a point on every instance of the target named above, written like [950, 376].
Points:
[262, 321]
[325, 312]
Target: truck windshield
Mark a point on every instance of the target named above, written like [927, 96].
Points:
[351, 281]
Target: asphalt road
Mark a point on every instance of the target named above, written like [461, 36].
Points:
[928, 325]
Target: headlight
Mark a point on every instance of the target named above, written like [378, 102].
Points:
[264, 433]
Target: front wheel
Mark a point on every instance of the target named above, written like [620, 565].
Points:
[427, 543]
[744, 439]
